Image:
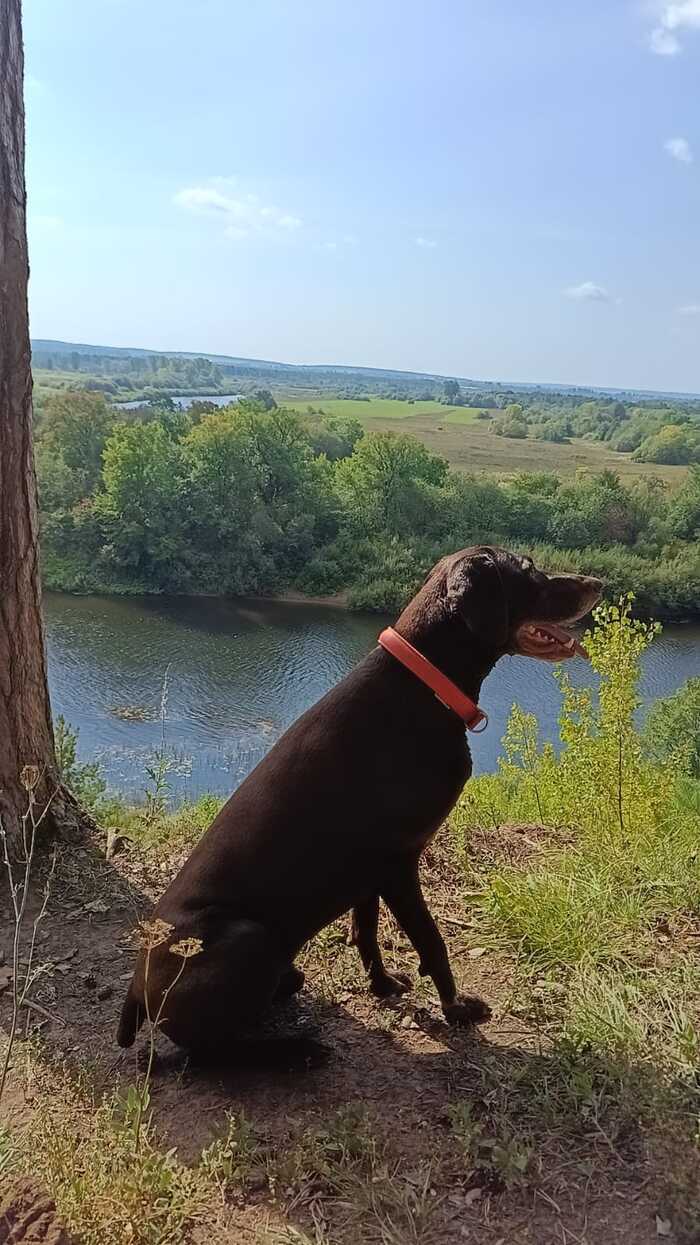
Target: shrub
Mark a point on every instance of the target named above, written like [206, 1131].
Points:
[84, 780]
[672, 728]
[634, 851]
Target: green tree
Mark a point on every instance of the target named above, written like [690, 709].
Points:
[264, 399]
[334, 436]
[684, 512]
[385, 485]
[297, 508]
[673, 728]
[222, 505]
[673, 444]
[139, 504]
[74, 429]
[514, 426]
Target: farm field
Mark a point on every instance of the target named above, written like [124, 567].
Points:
[376, 408]
[469, 444]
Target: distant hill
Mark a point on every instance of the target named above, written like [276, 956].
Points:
[300, 374]
[44, 345]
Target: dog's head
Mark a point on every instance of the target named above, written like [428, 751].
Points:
[507, 604]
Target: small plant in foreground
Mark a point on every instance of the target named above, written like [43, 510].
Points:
[7, 1151]
[24, 973]
[156, 794]
[84, 780]
[149, 935]
[231, 1159]
[497, 1153]
[634, 851]
[107, 1186]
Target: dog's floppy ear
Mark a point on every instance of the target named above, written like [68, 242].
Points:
[475, 591]
[435, 570]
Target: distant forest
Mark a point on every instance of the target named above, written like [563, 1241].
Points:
[661, 432]
[254, 498]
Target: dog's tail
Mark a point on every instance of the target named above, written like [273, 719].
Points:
[132, 1018]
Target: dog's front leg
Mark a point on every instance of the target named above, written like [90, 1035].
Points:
[404, 898]
[363, 935]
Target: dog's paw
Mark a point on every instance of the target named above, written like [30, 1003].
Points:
[390, 984]
[467, 1009]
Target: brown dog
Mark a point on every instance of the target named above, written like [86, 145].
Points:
[337, 814]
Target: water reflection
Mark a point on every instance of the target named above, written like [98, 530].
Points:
[238, 673]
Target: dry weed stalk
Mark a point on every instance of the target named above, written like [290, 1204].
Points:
[19, 894]
[149, 935]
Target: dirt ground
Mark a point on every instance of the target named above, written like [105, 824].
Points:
[397, 1060]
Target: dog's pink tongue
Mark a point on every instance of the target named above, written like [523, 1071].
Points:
[548, 641]
[566, 638]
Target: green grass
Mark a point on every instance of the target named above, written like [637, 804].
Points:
[376, 408]
[583, 1093]
[464, 415]
[633, 858]
[468, 443]
[112, 1184]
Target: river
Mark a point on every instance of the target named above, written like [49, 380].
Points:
[236, 674]
[184, 402]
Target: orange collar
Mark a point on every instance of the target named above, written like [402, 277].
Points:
[445, 690]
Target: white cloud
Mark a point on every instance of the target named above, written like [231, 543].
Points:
[242, 214]
[588, 292]
[691, 309]
[428, 243]
[664, 42]
[675, 16]
[680, 149]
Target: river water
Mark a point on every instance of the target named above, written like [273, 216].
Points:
[236, 674]
[184, 403]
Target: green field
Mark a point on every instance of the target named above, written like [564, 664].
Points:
[375, 408]
[468, 443]
[463, 414]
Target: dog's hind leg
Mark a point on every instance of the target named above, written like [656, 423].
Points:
[363, 935]
[225, 988]
[215, 1008]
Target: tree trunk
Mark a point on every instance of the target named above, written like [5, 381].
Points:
[26, 735]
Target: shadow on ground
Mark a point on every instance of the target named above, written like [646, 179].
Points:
[445, 1136]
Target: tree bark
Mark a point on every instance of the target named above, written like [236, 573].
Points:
[26, 734]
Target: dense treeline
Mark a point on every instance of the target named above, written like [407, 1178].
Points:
[126, 376]
[253, 498]
[656, 434]
[122, 374]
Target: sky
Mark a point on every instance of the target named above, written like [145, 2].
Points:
[506, 190]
